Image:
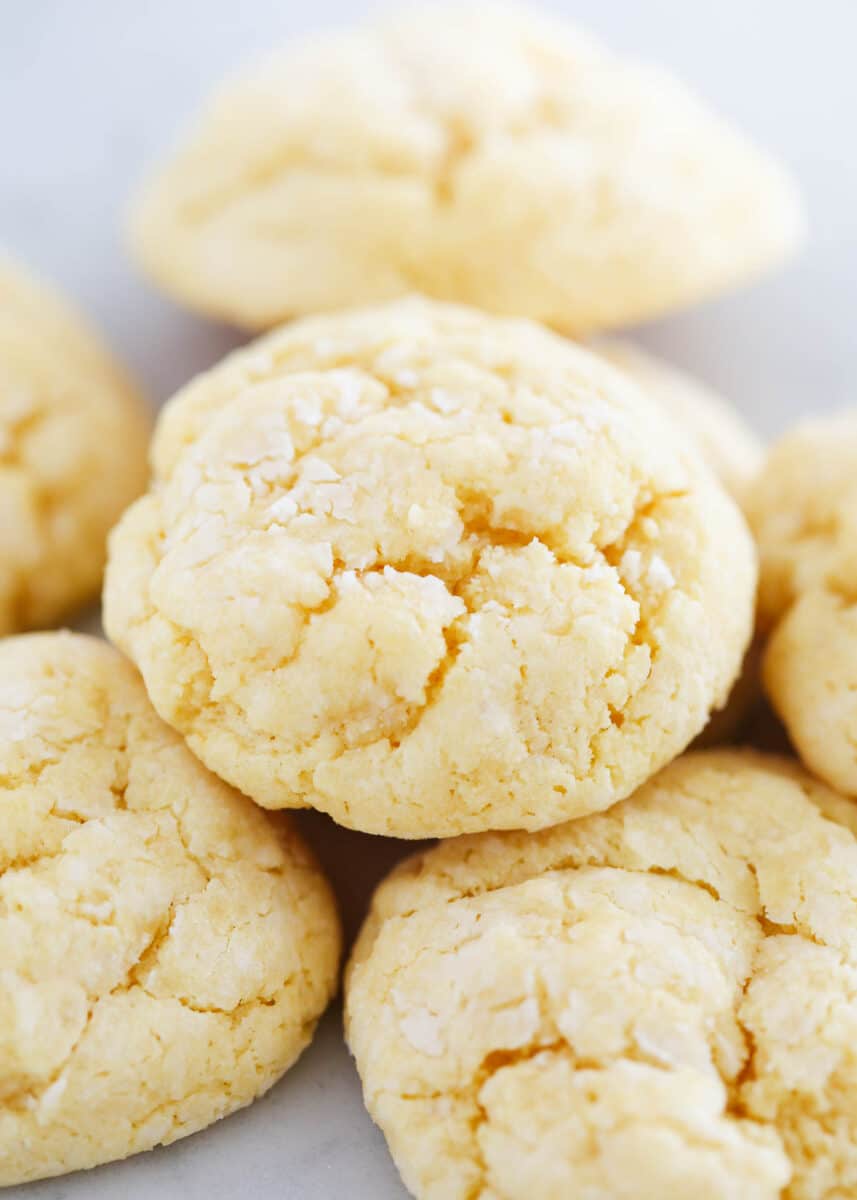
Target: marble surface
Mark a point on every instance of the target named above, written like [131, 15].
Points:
[90, 92]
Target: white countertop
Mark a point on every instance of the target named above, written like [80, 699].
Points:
[91, 91]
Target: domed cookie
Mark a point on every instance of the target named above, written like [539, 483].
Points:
[73, 440]
[476, 153]
[654, 1002]
[165, 947]
[430, 572]
[803, 509]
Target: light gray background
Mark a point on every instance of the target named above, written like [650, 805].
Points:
[93, 90]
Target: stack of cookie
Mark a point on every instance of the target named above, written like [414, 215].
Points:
[423, 564]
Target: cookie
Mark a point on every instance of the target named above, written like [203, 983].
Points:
[73, 438]
[803, 509]
[658, 1001]
[722, 437]
[476, 153]
[166, 948]
[430, 572]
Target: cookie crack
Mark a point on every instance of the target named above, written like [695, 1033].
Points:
[499, 1060]
[573, 863]
[201, 210]
[31, 776]
[460, 142]
[483, 535]
[32, 773]
[235, 1013]
[28, 1097]
[494, 1062]
[46, 497]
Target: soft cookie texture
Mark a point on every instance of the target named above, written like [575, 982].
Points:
[659, 1001]
[73, 437]
[476, 153]
[431, 572]
[166, 948]
[722, 437]
[803, 509]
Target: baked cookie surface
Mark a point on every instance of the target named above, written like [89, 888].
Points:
[430, 572]
[722, 437]
[73, 439]
[803, 509]
[656, 1001]
[165, 947]
[476, 153]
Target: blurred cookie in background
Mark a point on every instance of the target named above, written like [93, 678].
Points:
[74, 437]
[479, 153]
[803, 510]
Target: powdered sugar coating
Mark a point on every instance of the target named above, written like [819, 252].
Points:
[660, 1000]
[165, 947]
[422, 620]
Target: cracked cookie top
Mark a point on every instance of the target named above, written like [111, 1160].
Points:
[430, 572]
[660, 1000]
[165, 947]
[803, 509]
[477, 153]
[73, 437]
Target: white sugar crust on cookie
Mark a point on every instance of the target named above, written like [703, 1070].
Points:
[430, 572]
[166, 948]
[660, 1000]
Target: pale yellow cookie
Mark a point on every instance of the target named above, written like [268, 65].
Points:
[165, 947]
[656, 1002]
[485, 154]
[430, 572]
[803, 509]
[73, 437]
[722, 437]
